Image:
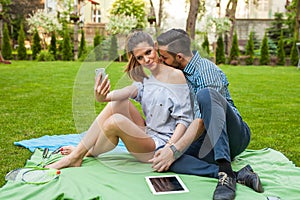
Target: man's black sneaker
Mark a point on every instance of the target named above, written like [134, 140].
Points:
[225, 189]
[248, 177]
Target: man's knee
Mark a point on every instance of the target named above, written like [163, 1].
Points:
[204, 96]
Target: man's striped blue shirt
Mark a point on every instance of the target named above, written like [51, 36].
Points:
[202, 73]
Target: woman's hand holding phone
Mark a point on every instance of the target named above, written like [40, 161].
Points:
[102, 85]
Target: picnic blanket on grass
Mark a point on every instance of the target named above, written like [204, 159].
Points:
[121, 176]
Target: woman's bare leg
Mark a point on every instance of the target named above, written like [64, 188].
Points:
[125, 108]
[137, 142]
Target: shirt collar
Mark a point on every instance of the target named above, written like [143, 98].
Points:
[190, 67]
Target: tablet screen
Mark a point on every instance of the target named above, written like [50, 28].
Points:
[166, 184]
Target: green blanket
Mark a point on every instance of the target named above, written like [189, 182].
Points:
[121, 177]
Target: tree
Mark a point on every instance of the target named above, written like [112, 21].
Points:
[297, 18]
[280, 51]
[130, 8]
[36, 47]
[22, 54]
[82, 47]
[46, 23]
[230, 14]
[67, 53]
[294, 54]
[234, 51]
[196, 7]
[205, 44]
[264, 51]
[220, 53]
[6, 46]
[17, 11]
[250, 49]
[113, 50]
[121, 24]
[98, 50]
[277, 25]
[52, 48]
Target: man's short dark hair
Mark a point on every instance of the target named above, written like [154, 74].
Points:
[176, 40]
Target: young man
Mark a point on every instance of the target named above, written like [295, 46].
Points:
[218, 131]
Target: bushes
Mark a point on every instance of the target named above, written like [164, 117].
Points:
[45, 56]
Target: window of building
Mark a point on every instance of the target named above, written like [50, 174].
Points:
[263, 5]
[96, 15]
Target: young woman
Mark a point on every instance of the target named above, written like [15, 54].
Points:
[165, 99]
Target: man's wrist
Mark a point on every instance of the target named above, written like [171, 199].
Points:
[175, 151]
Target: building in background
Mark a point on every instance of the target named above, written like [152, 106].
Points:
[257, 18]
[92, 15]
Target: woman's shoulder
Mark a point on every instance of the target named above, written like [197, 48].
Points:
[176, 76]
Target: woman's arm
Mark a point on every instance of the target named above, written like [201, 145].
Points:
[103, 94]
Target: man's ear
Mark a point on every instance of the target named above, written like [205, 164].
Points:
[179, 57]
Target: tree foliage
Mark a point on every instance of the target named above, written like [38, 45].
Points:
[113, 50]
[52, 48]
[220, 51]
[98, 48]
[36, 46]
[6, 45]
[205, 44]
[234, 51]
[121, 24]
[82, 47]
[294, 54]
[67, 53]
[134, 8]
[280, 51]
[17, 11]
[22, 54]
[250, 49]
[264, 51]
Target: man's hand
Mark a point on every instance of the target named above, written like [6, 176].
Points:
[162, 159]
[101, 88]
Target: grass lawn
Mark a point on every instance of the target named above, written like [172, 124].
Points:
[44, 98]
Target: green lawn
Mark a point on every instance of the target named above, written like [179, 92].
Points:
[37, 99]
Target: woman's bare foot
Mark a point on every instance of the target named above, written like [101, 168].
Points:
[67, 161]
[66, 150]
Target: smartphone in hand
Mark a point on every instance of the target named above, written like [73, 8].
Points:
[101, 71]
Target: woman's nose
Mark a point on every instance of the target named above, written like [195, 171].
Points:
[146, 59]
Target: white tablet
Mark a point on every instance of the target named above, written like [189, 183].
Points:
[166, 184]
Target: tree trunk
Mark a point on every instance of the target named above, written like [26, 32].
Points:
[160, 13]
[296, 31]
[192, 18]
[230, 13]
